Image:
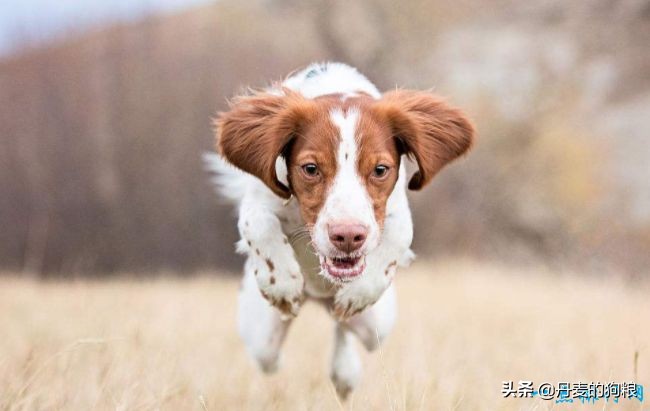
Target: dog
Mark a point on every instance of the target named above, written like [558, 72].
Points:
[320, 187]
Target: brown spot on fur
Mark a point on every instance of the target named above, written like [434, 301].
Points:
[270, 264]
[249, 242]
[392, 264]
[255, 272]
[284, 240]
[272, 280]
[284, 306]
[257, 251]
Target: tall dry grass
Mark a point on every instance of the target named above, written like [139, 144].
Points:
[463, 328]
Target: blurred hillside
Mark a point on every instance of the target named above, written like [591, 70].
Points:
[101, 135]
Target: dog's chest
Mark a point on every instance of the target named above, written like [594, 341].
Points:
[294, 228]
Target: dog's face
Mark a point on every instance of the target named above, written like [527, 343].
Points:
[343, 158]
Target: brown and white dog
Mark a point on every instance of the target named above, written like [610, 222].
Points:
[323, 212]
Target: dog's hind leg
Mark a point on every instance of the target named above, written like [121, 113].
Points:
[346, 364]
[261, 326]
[374, 324]
[371, 327]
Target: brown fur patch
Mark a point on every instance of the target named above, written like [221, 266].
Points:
[428, 128]
[317, 144]
[258, 127]
[269, 263]
[377, 147]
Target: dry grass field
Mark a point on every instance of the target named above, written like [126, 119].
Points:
[464, 327]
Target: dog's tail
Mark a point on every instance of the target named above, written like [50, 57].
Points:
[228, 181]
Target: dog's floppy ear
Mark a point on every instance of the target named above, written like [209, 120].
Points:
[257, 128]
[426, 128]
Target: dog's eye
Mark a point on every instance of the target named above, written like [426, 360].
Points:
[380, 171]
[311, 169]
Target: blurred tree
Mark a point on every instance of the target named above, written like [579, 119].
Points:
[101, 135]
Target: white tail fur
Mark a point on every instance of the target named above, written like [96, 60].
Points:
[228, 180]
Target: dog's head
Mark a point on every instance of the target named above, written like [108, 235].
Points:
[343, 157]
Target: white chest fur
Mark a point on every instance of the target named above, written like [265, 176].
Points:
[293, 227]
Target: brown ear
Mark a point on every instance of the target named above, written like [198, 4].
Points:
[254, 132]
[426, 128]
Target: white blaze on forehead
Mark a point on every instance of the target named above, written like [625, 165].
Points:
[347, 200]
[347, 125]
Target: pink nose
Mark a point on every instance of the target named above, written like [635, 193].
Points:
[347, 237]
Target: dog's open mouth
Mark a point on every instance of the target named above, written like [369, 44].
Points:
[344, 268]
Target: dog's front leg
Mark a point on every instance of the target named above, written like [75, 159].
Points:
[381, 264]
[271, 256]
[357, 295]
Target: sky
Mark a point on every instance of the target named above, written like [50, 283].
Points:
[33, 21]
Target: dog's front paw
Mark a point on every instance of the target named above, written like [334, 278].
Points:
[284, 291]
[354, 297]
